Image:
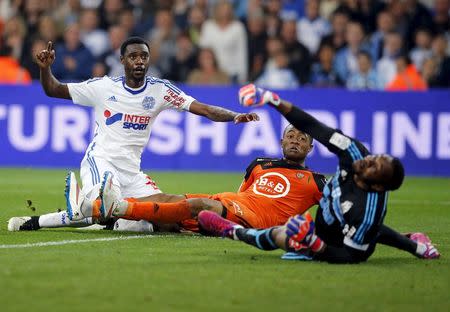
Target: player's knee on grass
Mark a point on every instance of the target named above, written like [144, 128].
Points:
[198, 204]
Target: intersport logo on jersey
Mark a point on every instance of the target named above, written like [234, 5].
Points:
[134, 122]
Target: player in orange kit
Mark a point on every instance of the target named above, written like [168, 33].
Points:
[272, 191]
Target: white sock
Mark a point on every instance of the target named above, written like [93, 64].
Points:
[421, 248]
[60, 219]
[141, 226]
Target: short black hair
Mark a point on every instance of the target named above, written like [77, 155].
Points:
[289, 126]
[132, 40]
[398, 174]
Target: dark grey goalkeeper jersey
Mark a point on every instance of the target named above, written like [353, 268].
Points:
[358, 213]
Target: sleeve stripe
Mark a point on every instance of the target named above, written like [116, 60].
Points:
[354, 151]
[365, 224]
[169, 85]
[93, 79]
[385, 203]
[369, 216]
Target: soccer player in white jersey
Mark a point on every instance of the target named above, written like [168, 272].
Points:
[125, 109]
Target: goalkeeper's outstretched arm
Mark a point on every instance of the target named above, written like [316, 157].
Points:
[250, 95]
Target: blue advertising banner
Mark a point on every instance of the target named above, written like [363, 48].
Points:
[39, 131]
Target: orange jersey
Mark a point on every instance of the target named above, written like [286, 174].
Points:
[273, 190]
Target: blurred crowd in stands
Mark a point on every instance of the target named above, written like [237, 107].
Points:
[281, 44]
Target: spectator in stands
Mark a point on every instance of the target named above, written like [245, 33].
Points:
[256, 43]
[439, 47]
[273, 7]
[279, 76]
[336, 38]
[37, 45]
[7, 9]
[366, 77]
[67, 12]
[228, 39]
[14, 35]
[430, 72]
[163, 39]
[208, 72]
[346, 59]
[299, 57]
[273, 25]
[441, 17]
[33, 11]
[322, 72]
[311, 28]
[196, 18]
[273, 46]
[109, 63]
[93, 38]
[422, 48]
[328, 7]
[110, 13]
[11, 72]
[407, 77]
[74, 61]
[386, 66]
[184, 60]
[128, 22]
[385, 25]
[237, 56]
[418, 17]
[369, 10]
[272, 10]
[180, 11]
[48, 29]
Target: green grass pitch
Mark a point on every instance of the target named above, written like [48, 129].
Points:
[185, 273]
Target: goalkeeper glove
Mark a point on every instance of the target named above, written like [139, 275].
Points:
[250, 95]
[300, 232]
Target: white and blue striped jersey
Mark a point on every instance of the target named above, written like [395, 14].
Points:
[124, 116]
[358, 213]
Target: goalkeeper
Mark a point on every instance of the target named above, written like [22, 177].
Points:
[349, 221]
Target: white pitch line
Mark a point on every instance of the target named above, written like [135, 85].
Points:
[418, 202]
[73, 241]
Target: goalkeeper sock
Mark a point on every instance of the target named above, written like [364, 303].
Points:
[61, 219]
[388, 236]
[261, 239]
[157, 212]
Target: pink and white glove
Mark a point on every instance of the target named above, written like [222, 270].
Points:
[251, 96]
[300, 232]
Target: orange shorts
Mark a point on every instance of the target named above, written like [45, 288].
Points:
[238, 209]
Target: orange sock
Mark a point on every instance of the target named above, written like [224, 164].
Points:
[199, 195]
[157, 212]
[96, 208]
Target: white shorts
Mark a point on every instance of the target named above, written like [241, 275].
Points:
[131, 185]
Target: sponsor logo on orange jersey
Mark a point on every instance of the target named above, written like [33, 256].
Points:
[272, 185]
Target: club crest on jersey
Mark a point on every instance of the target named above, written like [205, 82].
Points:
[300, 175]
[148, 102]
[134, 122]
[272, 185]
